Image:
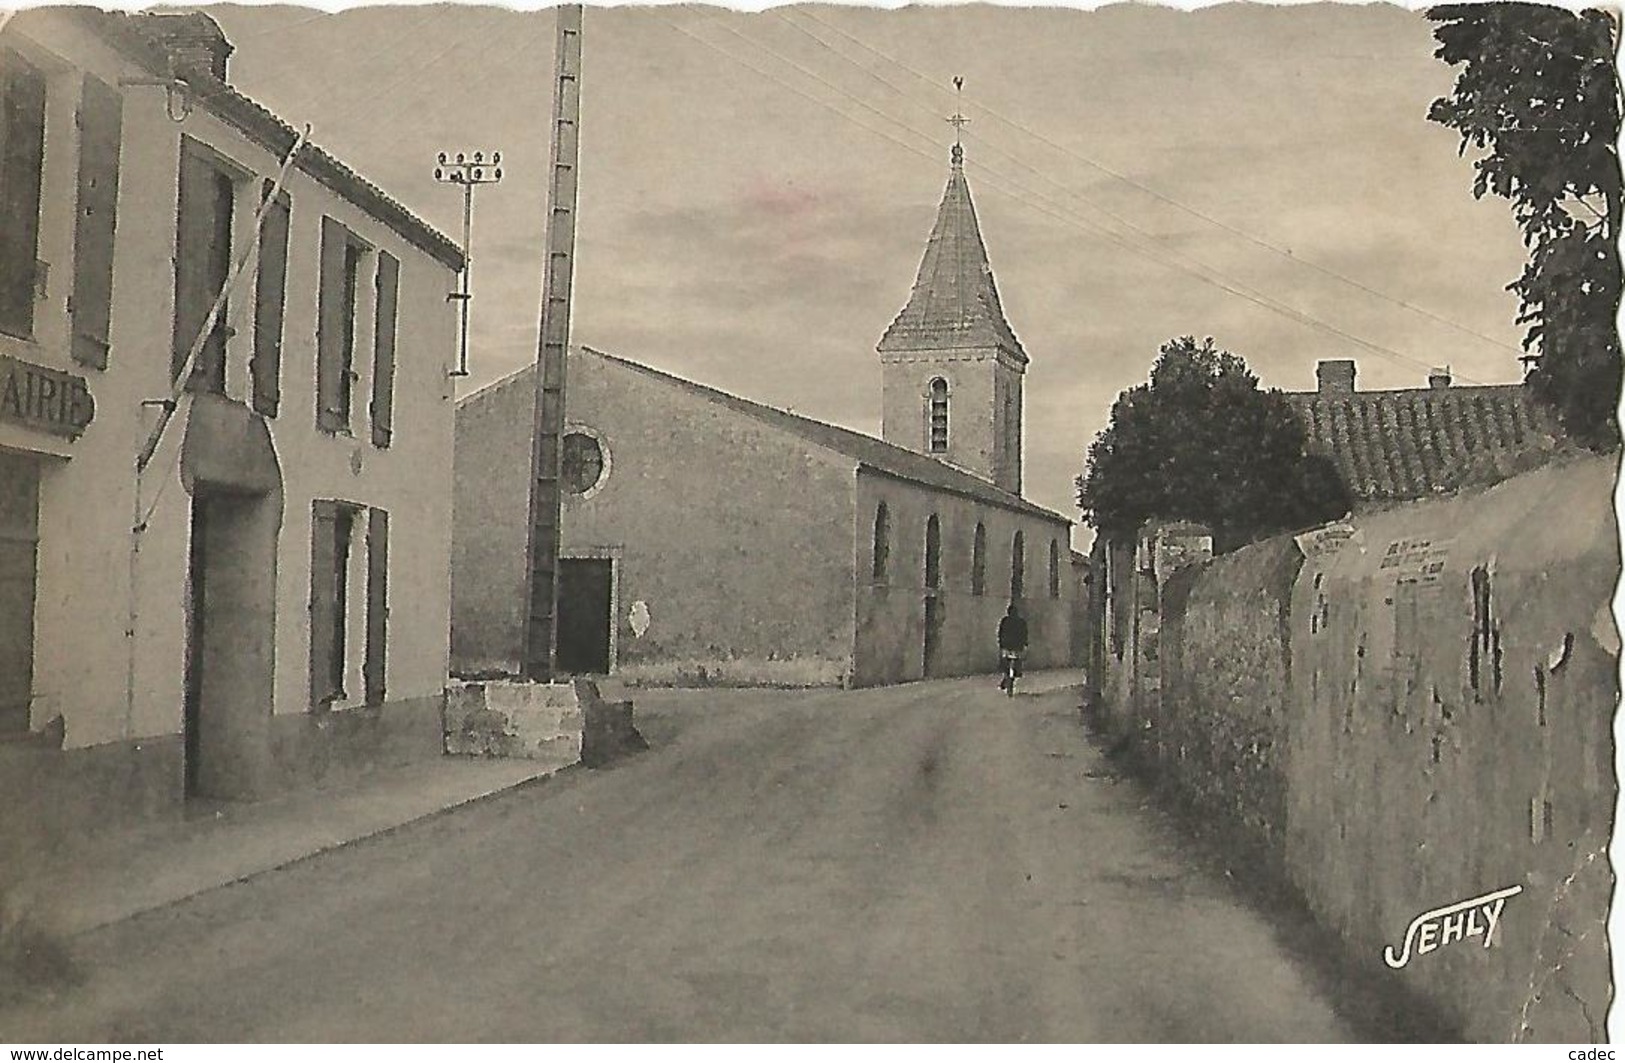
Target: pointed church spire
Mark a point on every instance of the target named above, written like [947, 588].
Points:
[954, 303]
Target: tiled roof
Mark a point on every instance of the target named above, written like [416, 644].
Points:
[868, 451]
[1397, 445]
[954, 303]
[127, 33]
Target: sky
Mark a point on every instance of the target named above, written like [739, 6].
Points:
[756, 188]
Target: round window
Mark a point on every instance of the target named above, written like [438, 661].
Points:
[582, 463]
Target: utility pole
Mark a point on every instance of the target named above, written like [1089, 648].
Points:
[541, 584]
[468, 171]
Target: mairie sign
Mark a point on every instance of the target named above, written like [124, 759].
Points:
[47, 399]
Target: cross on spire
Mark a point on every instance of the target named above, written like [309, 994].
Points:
[958, 121]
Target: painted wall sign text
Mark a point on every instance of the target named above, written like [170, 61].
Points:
[47, 399]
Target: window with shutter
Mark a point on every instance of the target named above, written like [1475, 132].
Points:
[331, 528]
[22, 161]
[202, 264]
[383, 358]
[335, 326]
[270, 292]
[377, 604]
[101, 119]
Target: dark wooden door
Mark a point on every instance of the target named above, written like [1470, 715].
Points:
[19, 530]
[585, 586]
[933, 633]
[192, 713]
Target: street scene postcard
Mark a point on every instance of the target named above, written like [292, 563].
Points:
[820, 524]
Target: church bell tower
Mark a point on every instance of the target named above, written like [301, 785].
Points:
[951, 366]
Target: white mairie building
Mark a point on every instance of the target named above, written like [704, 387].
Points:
[266, 603]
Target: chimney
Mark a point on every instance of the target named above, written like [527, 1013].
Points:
[193, 39]
[1335, 377]
[1439, 379]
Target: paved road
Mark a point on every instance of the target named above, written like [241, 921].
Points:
[931, 862]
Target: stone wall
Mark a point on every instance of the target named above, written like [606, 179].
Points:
[1221, 727]
[1455, 680]
[1417, 713]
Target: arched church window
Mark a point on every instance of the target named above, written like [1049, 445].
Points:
[882, 549]
[939, 416]
[978, 561]
[933, 552]
[1018, 567]
[1054, 569]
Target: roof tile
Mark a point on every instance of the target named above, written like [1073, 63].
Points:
[1405, 444]
[954, 302]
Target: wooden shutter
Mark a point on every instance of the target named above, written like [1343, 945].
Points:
[382, 412]
[377, 604]
[323, 608]
[270, 292]
[22, 160]
[202, 263]
[101, 120]
[332, 330]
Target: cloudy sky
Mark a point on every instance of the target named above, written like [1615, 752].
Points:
[757, 188]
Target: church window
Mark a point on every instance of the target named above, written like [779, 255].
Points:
[1054, 569]
[581, 464]
[933, 552]
[1018, 567]
[939, 416]
[882, 550]
[978, 561]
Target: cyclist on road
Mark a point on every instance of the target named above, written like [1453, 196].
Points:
[1012, 647]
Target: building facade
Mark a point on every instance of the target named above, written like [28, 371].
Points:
[710, 539]
[218, 625]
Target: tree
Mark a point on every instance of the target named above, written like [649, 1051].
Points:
[1200, 442]
[1538, 95]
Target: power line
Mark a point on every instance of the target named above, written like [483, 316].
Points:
[1026, 195]
[1152, 192]
[411, 67]
[283, 27]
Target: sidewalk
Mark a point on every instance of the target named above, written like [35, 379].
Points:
[218, 843]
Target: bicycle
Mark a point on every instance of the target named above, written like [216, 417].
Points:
[1010, 664]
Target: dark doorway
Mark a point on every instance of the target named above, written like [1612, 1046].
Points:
[230, 624]
[933, 633]
[196, 616]
[585, 589]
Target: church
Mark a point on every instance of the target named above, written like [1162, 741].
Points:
[709, 539]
